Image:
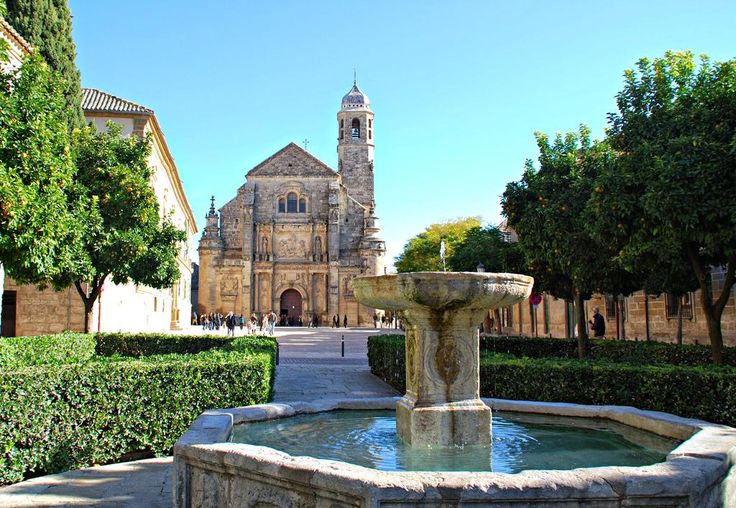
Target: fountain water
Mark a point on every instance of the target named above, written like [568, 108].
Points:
[442, 408]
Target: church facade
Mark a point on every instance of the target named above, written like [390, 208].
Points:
[298, 232]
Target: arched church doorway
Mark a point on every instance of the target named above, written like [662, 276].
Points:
[291, 307]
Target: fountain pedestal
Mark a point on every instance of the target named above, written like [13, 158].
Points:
[442, 311]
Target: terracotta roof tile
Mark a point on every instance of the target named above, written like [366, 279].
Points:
[14, 33]
[94, 100]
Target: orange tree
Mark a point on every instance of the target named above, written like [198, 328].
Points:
[548, 208]
[672, 196]
[123, 236]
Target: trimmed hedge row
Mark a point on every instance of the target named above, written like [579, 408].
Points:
[697, 392]
[639, 352]
[55, 418]
[63, 348]
[143, 344]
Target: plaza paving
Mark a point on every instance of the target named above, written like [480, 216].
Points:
[311, 368]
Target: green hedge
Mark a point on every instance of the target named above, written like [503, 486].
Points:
[69, 416]
[708, 393]
[143, 344]
[640, 352]
[63, 348]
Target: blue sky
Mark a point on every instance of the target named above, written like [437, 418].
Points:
[458, 88]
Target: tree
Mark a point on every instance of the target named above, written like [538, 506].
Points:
[485, 245]
[124, 237]
[38, 231]
[422, 252]
[47, 25]
[675, 131]
[548, 209]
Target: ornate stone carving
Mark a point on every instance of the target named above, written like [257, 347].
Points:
[229, 285]
[291, 247]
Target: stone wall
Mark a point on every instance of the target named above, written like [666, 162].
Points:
[634, 310]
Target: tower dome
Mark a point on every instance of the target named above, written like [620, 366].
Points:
[355, 99]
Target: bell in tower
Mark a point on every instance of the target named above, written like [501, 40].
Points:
[355, 145]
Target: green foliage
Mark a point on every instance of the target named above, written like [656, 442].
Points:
[673, 193]
[387, 359]
[47, 25]
[483, 245]
[634, 352]
[60, 349]
[666, 388]
[59, 417]
[657, 388]
[123, 235]
[142, 344]
[422, 252]
[548, 209]
[37, 232]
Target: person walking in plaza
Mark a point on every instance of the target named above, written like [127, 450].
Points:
[271, 323]
[230, 323]
[345, 321]
[597, 324]
[335, 321]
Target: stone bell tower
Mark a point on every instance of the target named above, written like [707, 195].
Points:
[355, 145]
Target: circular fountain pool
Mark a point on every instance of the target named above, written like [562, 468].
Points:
[519, 442]
[210, 470]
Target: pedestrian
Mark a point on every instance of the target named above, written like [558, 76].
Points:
[271, 323]
[375, 320]
[597, 324]
[230, 323]
[335, 321]
[345, 321]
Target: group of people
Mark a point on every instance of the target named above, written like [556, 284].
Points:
[336, 321]
[215, 320]
[382, 321]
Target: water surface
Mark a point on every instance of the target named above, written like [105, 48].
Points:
[519, 442]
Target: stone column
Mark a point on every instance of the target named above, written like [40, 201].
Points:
[442, 405]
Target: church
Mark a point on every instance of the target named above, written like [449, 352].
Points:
[298, 232]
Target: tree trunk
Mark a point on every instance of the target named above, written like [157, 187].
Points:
[581, 325]
[497, 319]
[679, 321]
[618, 315]
[89, 297]
[646, 315]
[622, 309]
[712, 310]
[716, 336]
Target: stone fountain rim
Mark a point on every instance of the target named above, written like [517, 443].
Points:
[705, 455]
[507, 276]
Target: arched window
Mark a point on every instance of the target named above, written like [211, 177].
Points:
[302, 205]
[291, 202]
[282, 205]
[355, 131]
[342, 127]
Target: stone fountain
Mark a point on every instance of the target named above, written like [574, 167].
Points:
[441, 310]
[442, 408]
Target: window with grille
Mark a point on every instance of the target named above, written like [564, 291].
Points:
[672, 302]
[610, 307]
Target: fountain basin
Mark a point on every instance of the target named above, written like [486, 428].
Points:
[209, 471]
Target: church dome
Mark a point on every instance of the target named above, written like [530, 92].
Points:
[355, 98]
